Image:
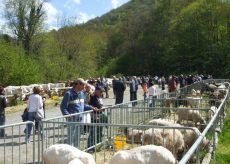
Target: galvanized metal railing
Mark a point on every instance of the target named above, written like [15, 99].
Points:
[13, 147]
[138, 113]
[216, 121]
[131, 115]
[113, 137]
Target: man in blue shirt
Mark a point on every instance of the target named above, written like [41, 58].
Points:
[73, 103]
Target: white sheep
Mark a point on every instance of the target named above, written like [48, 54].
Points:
[144, 155]
[213, 86]
[222, 86]
[134, 136]
[211, 112]
[163, 122]
[193, 101]
[190, 115]
[171, 139]
[189, 135]
[66, 154]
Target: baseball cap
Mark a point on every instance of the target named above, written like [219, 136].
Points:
[79, 80]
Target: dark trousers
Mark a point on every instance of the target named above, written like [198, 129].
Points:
[95, 133]
[2, 122]
[106, 92]
[133, 96]
[119, 97]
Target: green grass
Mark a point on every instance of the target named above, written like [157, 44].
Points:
[223, 147]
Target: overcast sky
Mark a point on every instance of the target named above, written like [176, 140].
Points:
[72, 11]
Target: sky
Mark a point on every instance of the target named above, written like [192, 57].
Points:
[69, 12]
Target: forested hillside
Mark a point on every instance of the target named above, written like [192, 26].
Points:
[141, 37]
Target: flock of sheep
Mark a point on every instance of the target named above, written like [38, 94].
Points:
[164, 143]
[14, 93]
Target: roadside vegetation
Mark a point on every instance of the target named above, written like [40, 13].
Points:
[223, 147]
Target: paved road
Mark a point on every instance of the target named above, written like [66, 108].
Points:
[53, 111]
[13, 146]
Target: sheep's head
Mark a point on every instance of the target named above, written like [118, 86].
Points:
[205, 144]
[202, 121]
[134, 136]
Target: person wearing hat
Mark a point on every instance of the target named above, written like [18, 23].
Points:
[97, 117]
[73, 103]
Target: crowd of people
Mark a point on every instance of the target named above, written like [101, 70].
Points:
[88, 95]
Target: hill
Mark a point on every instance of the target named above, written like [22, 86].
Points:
[141, 37]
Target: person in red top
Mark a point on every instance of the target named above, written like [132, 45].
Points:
[172, 84]
[145, 89]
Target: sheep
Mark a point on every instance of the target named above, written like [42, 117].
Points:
[66, 154]
[134, 136]
[193, 101]
[76, 161]
[188, 135]
[222, 86]
[213, 86]
[144, 155]
[162, 122]
[190, 115]
[211, 112]
[193, 92]
[171, 139]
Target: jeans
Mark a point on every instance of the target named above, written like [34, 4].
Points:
[32, 117]
[2, 122]
[152, 101]
[74, 131]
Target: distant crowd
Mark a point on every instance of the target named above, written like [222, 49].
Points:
[87, 95]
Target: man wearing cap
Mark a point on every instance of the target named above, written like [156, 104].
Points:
[73, 103]
[96, 132]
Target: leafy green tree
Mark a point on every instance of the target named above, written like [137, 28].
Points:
[25, 18]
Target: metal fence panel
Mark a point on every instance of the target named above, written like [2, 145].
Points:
[13, 147]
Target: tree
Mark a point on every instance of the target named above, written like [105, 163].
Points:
[25, 18]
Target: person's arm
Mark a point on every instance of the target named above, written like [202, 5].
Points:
[4, 102]
[28, 103]
[40, 103]
[65, 103]
[88, 107]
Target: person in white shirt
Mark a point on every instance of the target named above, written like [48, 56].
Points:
[152, 94]
[35, 103]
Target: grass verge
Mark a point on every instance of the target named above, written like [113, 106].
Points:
[223, 147]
